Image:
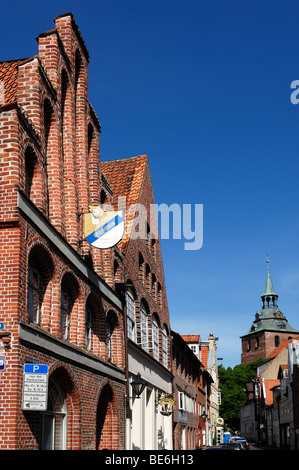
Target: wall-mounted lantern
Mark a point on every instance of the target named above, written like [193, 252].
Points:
[138, 385]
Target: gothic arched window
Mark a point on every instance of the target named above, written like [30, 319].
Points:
[54, 419]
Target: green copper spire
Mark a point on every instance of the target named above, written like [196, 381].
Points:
[269, 290]
[270, 319]
[269, 296]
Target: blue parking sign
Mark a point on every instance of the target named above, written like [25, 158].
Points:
[36, 368]
[2, 362]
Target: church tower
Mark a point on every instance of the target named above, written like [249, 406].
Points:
[269, 328]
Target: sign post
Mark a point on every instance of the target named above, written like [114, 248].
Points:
[35, 387]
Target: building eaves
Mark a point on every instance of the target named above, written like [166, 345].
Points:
[184, 345]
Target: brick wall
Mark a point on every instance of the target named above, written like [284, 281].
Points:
[49, 143]
[186, 368]
[143, 266]
[261, 345]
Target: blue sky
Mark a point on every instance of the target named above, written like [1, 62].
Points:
[203, 88]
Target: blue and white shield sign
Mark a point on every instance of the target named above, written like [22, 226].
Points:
[103, 229]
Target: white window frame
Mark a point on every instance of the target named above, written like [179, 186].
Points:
[181, 401]
[164, 347]
[131, 325]
[155, 338]
[143, 329]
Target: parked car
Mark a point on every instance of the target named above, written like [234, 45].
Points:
[224, 446]
[233, 446]
[221, 447]
[240, 440]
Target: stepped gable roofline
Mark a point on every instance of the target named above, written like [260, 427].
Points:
[9, 72]
[9, 68]
[77, 32]
[60, 42]
[48, 33]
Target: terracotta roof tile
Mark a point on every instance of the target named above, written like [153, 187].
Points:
[125, 178]
[191, 338]
[204, 355]
[282, 345]
[9, 79]
[269, 394]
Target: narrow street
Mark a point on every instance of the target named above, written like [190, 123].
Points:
[255, 446]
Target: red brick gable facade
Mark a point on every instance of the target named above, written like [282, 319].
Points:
[143, 266]
[59, 303]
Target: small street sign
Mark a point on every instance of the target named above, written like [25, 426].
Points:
[35, 387]
[36, 369]
[2, 362]
[1, 325]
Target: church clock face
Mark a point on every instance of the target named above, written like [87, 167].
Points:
[279, 315]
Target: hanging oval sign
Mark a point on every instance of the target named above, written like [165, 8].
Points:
[103, 229]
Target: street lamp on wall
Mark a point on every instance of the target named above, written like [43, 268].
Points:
[138, 385]
[204, 416]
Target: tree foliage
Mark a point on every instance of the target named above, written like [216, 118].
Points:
[232, 384]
